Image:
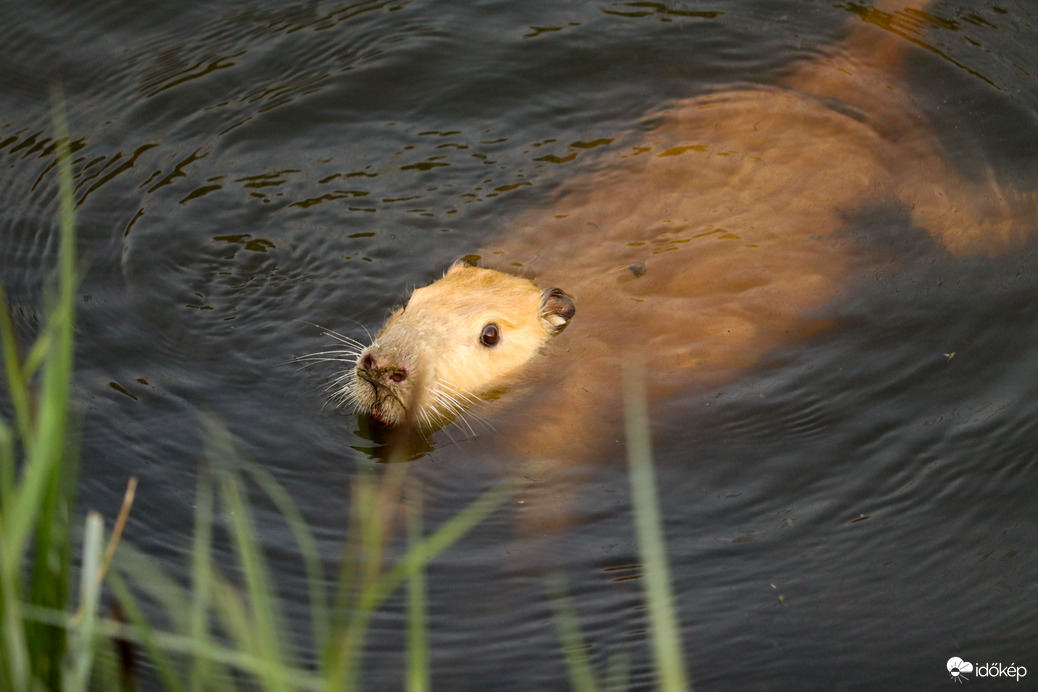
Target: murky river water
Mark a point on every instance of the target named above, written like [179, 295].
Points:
[851, 515]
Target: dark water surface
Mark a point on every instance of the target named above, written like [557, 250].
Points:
[853, 515]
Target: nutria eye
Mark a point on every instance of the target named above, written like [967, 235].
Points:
[491, 335]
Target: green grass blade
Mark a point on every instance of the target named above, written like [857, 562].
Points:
[201, 578]
[319, 606]
[267, 620]
[234, 614]
[17, 385]
[43, 501]
[367, 521]
[81, 639]
[581, 676]
[418, 678]
[37, 506]
[49, 441]
[666, 634]
[16, 660]
[153, 582]
[50, 580]
[444, 537]
[147, 637]
[618, 676]
[246, 654]
[8, 471]
[370, 582]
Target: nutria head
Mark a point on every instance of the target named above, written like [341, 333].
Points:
[455, 342]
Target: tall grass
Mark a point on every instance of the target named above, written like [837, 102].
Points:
[36, 495]
[221, 630]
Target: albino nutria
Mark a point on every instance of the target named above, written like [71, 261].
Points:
[454, 344]
[696, 245]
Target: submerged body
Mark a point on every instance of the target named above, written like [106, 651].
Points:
[697, 246]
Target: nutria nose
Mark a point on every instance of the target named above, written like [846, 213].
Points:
[379, 365]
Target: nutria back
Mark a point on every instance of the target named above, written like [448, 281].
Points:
[711, 236]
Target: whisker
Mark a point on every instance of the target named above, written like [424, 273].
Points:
[468, 413]
[342, 337]
[457, 401]
[337, 351]
[447, 431]
[339, 390]
[454, 408]
[306, 361]
[457, 392]
[469, 399]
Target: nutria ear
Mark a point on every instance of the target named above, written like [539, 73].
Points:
[557, 308]
[466, 261]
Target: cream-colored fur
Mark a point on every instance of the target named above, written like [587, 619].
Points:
[701, 243]
[433, 358]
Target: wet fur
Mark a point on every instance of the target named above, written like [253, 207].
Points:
[708, 239]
